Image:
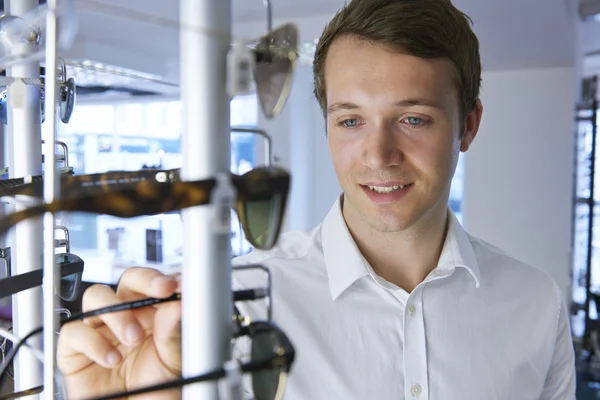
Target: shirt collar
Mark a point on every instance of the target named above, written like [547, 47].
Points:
[345, 264]
[458, 251]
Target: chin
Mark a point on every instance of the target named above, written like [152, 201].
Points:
[389, 221]
[387, 218]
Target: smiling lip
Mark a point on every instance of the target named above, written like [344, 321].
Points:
[386, 183]
[386, 197]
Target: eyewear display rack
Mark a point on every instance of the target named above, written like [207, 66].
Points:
[585, 198]
[205, 36]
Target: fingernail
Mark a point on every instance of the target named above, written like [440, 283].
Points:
[133, 333]
[113, 358]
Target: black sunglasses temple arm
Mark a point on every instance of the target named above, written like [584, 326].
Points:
[268, 296]
[251, 293]
[213, 375]
[17, 283]
[216, 374]
[22, 393]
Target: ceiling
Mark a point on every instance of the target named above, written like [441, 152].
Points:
[143, 34]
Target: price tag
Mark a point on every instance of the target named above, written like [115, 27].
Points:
[222, 202]
[240, 64]
[18, 94]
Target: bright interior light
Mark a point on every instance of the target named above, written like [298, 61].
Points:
[93, 73]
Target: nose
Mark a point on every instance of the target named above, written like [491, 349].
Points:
[381, 148]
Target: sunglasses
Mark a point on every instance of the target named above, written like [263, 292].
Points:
[69, 182]
[271, 358]
[71, 270]
[276, 54]
[260, 202]
[272, 354]
[66, 96]
[71, 185]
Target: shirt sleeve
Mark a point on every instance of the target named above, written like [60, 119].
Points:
[560, 381]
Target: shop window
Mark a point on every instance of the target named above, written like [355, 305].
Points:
[107, 137]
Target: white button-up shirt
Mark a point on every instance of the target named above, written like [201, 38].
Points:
[481, 326]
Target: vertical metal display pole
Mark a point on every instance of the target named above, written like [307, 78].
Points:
[24, 128]
[51, 189]
[3, 164]
[592, 209]
[206, 291]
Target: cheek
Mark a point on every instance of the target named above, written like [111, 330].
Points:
[343, 152]
[435, 159]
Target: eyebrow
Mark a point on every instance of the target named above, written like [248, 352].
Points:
[401, 103]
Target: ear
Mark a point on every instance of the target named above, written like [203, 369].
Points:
[471, 126]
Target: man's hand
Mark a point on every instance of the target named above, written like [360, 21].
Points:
[127, 349]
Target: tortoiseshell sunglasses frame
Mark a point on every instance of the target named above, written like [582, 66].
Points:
[151, 197]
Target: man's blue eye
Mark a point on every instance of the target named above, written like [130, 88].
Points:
[414, 121]
[350, 123]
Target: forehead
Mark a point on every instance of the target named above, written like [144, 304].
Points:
[355, 66]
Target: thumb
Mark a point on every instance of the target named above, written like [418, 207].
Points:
[167, 335]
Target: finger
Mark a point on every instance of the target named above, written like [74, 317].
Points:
[79, 345]
[123, 324]
[156, 284]
[167, 335]
[89, 303]
[138, 282]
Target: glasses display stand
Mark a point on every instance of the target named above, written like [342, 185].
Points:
[25, 159]
[585, 321]
[207, 305]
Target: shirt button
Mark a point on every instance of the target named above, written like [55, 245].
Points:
[416, 390]
[412, 309]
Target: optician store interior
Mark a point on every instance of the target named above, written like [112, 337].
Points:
[527, 184]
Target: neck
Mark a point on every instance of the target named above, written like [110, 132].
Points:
[403, 258]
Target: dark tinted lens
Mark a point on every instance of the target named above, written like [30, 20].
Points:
[67, 100]
[264, 383]
[3, 107]
[7, 348]
[8, 345]
[262, 220]
[68, 285]
[42, 104]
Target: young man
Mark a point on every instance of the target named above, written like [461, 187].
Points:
[389, 298]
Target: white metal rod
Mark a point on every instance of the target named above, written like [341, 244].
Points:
[268, 7]
[3, 144]
[24, 129]
[3, 164]
[51, 191]
[206, 291]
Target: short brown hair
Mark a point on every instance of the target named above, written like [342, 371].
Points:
[422, 28]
